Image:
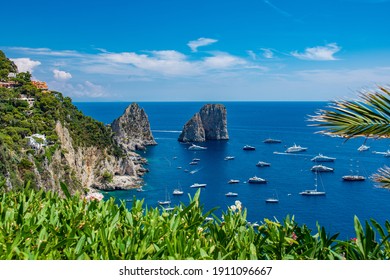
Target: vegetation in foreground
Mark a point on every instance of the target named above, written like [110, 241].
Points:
[42, 225]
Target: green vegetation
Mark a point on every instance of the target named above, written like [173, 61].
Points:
[367, 117]
[42, 225]
[20, 118]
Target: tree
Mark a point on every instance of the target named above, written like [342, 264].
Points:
[367, 117]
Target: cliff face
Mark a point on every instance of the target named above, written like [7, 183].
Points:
[209, 124]
[132, 129]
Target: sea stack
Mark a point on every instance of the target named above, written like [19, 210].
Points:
[209, 124]
[132, 129]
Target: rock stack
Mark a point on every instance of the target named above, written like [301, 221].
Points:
[132, 129]
[209, 124]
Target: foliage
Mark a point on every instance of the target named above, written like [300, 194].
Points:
[42, 225]
[367, 117]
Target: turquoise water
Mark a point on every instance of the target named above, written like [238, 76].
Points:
[250, 123]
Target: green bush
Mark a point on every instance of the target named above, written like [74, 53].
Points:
[42, 225]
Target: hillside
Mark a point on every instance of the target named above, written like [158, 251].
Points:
[45, 139]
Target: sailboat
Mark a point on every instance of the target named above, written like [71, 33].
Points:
[167, 200]
[273, 199]
[178, 191]
[354, 177]
[313, 192]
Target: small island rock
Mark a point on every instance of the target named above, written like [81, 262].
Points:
[209, 124]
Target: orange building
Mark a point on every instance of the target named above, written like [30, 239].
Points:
[40, 85]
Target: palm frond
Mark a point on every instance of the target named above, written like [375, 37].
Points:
[383, 177]
[369, 116]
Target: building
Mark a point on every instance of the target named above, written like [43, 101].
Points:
[40, 85]
[37, 141]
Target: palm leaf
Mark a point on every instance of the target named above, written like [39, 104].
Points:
[369, 116]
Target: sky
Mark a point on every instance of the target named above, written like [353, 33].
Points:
[203, 50]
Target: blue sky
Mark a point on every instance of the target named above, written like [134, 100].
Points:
[182, 50]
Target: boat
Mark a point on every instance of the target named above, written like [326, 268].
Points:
[193, 163]
[196, 159]
[321, 168]
[140, 189]
[167, 200]
[177, 192]
[194, 147]
[248, 148]
[315, 191]
[262, 164]
[232, 181]
[196, 185]
[322, 158]
[231, 194]
[256, 180]
[295, 149]
[272, 141]
[363, 148]
[229, 158]
[354, 178]
[273, 199]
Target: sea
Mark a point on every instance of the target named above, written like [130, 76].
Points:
[249, 123]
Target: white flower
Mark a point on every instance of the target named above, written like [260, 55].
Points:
[238, 205]
[233, 208]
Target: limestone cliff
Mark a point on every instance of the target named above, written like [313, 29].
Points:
[209, 124]
[132, 129]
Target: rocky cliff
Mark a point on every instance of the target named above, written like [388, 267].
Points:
[132, 129]
[209, 124]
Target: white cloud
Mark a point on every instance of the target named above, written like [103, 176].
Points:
[318, 53]
[25, 64]
[268, 53]
[223, 61]
[61, 75]
[194, 45]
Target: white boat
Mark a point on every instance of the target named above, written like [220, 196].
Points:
[321, 168]
[363, 148]
[232, 181]
[177, 192]
[167, 200]
[273, 199]
[315, 191]
[193, 163]
[248, 148]
[231, 194]
[196, 185]
[272, 141]
[256, 180]
[140, 189]
[196, 159]
[262, 164]
[196, 148]
[229, 158]
[295, 149]
[353, 178]
[322, 158]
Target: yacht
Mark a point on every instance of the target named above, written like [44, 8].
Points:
[140, 189]
[167, 200]
[295, 149]
[196, 185]
[313, 192]
[232, 181]
[262, 164]
[353, 178]
[248, 148]
[231, 194]
[177, 192]
[322, 158]
[272, 141]
[272, 200]
[196, 159]
[321, 168]
[256, 180]
[363, 148]
[194, 147]
[193, 163]
[229, 158]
